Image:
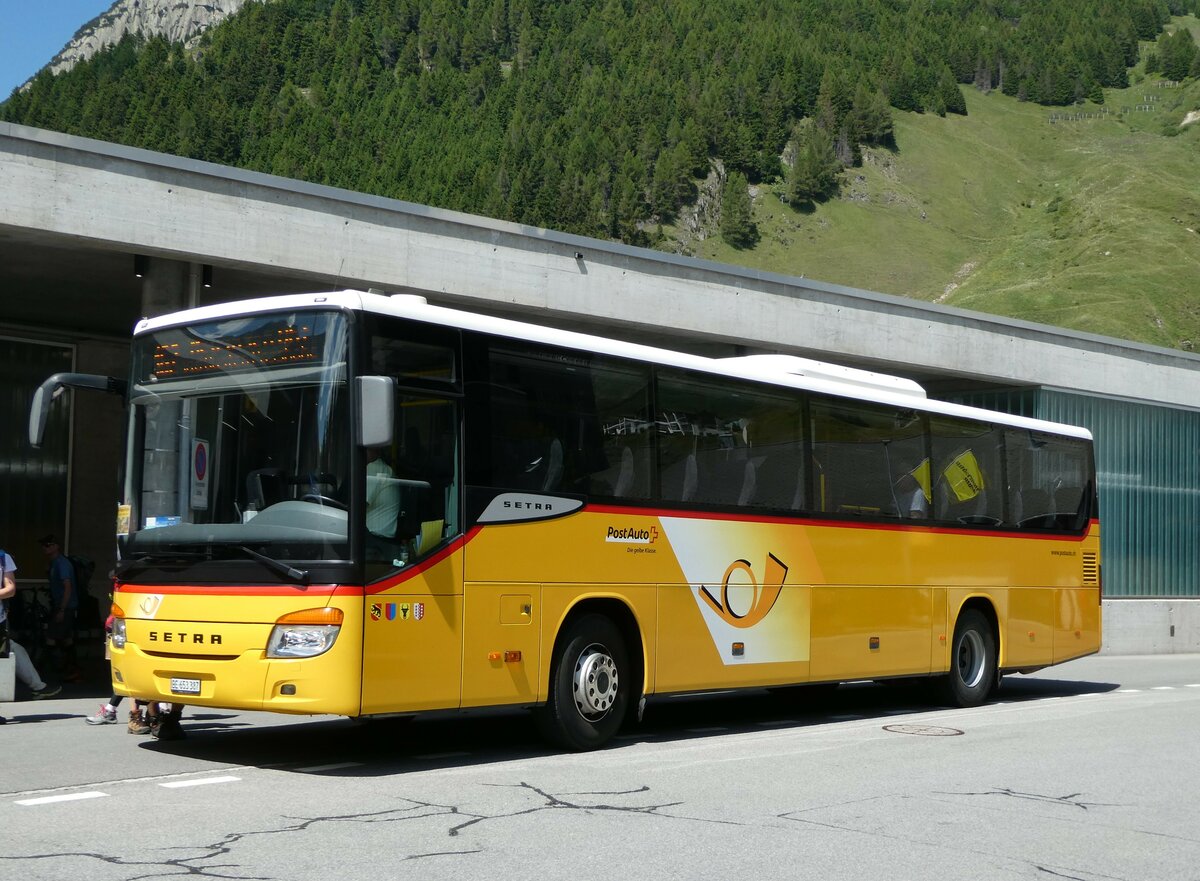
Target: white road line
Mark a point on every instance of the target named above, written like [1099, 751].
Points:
[203, 781]
[312, 769]
[1129, 691]
[51, 799]
[1193, 685]
[1163, 688]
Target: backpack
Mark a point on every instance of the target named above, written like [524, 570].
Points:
[88, 606]
[82, 569]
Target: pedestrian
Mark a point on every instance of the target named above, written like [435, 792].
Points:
[64, 602]
[26, 672]
[107, 714]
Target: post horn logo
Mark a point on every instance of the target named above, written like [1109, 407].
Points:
[762, 597]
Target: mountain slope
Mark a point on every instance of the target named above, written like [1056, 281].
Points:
[1091, 221]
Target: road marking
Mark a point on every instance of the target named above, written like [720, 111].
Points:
[312, 769]
[1193, 685]
[1129, 691]
[51, 799]
[1164, 688]
[204, 781]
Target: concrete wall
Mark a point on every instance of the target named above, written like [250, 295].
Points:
[1151, 627]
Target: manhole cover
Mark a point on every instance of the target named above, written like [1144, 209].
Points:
[923, 730]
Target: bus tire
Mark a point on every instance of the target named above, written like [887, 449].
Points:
[589, 685]
[972, 661]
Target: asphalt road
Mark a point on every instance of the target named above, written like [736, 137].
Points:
[1085, 771]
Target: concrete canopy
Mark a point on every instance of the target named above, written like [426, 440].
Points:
[76, 211]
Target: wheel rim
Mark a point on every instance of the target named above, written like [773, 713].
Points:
[972, 659]
[595, 682]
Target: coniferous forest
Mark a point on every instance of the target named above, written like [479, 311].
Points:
[589, 116]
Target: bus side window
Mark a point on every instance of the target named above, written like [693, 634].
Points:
[570, 423]
[966, 474]
[1048, 480]
[871, 457]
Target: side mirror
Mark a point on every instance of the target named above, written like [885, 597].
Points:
[39, 408]
[376, 410]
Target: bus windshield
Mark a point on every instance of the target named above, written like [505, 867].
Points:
[240, 442]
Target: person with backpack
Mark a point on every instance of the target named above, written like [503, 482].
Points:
[64, 605]
[26, 672]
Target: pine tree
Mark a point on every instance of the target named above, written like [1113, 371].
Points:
[737, 223]
[815, 172]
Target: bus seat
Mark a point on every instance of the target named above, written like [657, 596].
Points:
[778, 483]
[749, 484]
[264, 487]
[554, 465]
[625, 474]
[691, 479]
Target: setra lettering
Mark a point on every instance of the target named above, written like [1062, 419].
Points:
[183, 637]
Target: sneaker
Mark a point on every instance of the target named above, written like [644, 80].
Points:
[137, 724]
[46, 691]
[102, 716]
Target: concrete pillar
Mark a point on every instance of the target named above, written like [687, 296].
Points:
[167, 286]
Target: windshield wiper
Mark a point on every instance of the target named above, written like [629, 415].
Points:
[300, 576]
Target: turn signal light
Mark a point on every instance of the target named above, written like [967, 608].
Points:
[327, 615]
[117, 611]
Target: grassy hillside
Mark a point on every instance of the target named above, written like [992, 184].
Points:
[1091, 222]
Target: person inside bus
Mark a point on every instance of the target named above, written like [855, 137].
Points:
[383, 495]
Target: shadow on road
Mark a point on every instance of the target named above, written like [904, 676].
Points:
[342, 747]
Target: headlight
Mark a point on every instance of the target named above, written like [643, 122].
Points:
[305, 634]
[118, 633]
[301, 640]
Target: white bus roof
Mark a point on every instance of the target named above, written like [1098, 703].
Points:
[784, 370]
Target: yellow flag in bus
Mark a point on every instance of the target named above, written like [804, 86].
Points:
[921, 475]
[964, 476]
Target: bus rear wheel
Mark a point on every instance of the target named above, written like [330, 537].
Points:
[972, 661]
[589, 685]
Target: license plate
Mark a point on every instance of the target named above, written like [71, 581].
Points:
[185, 686]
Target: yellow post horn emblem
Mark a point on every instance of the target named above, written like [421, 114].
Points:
[762, 599]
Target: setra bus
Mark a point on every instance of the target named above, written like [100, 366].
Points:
[364, 505]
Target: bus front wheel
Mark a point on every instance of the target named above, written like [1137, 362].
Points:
[972, 661]
[589, 685]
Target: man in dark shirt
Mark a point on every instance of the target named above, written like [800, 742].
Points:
[64, 603]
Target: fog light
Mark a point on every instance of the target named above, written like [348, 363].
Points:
[287, 689]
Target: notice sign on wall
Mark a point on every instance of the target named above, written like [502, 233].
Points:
[199, 475]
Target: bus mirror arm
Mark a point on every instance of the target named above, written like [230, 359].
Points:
[39, 409]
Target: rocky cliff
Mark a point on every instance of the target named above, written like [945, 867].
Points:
[177, 20]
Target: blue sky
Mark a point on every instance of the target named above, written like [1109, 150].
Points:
[31, 33]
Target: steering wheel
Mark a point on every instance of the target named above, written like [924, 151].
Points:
[324, 500]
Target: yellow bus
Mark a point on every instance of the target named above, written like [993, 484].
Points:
[363, 505]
